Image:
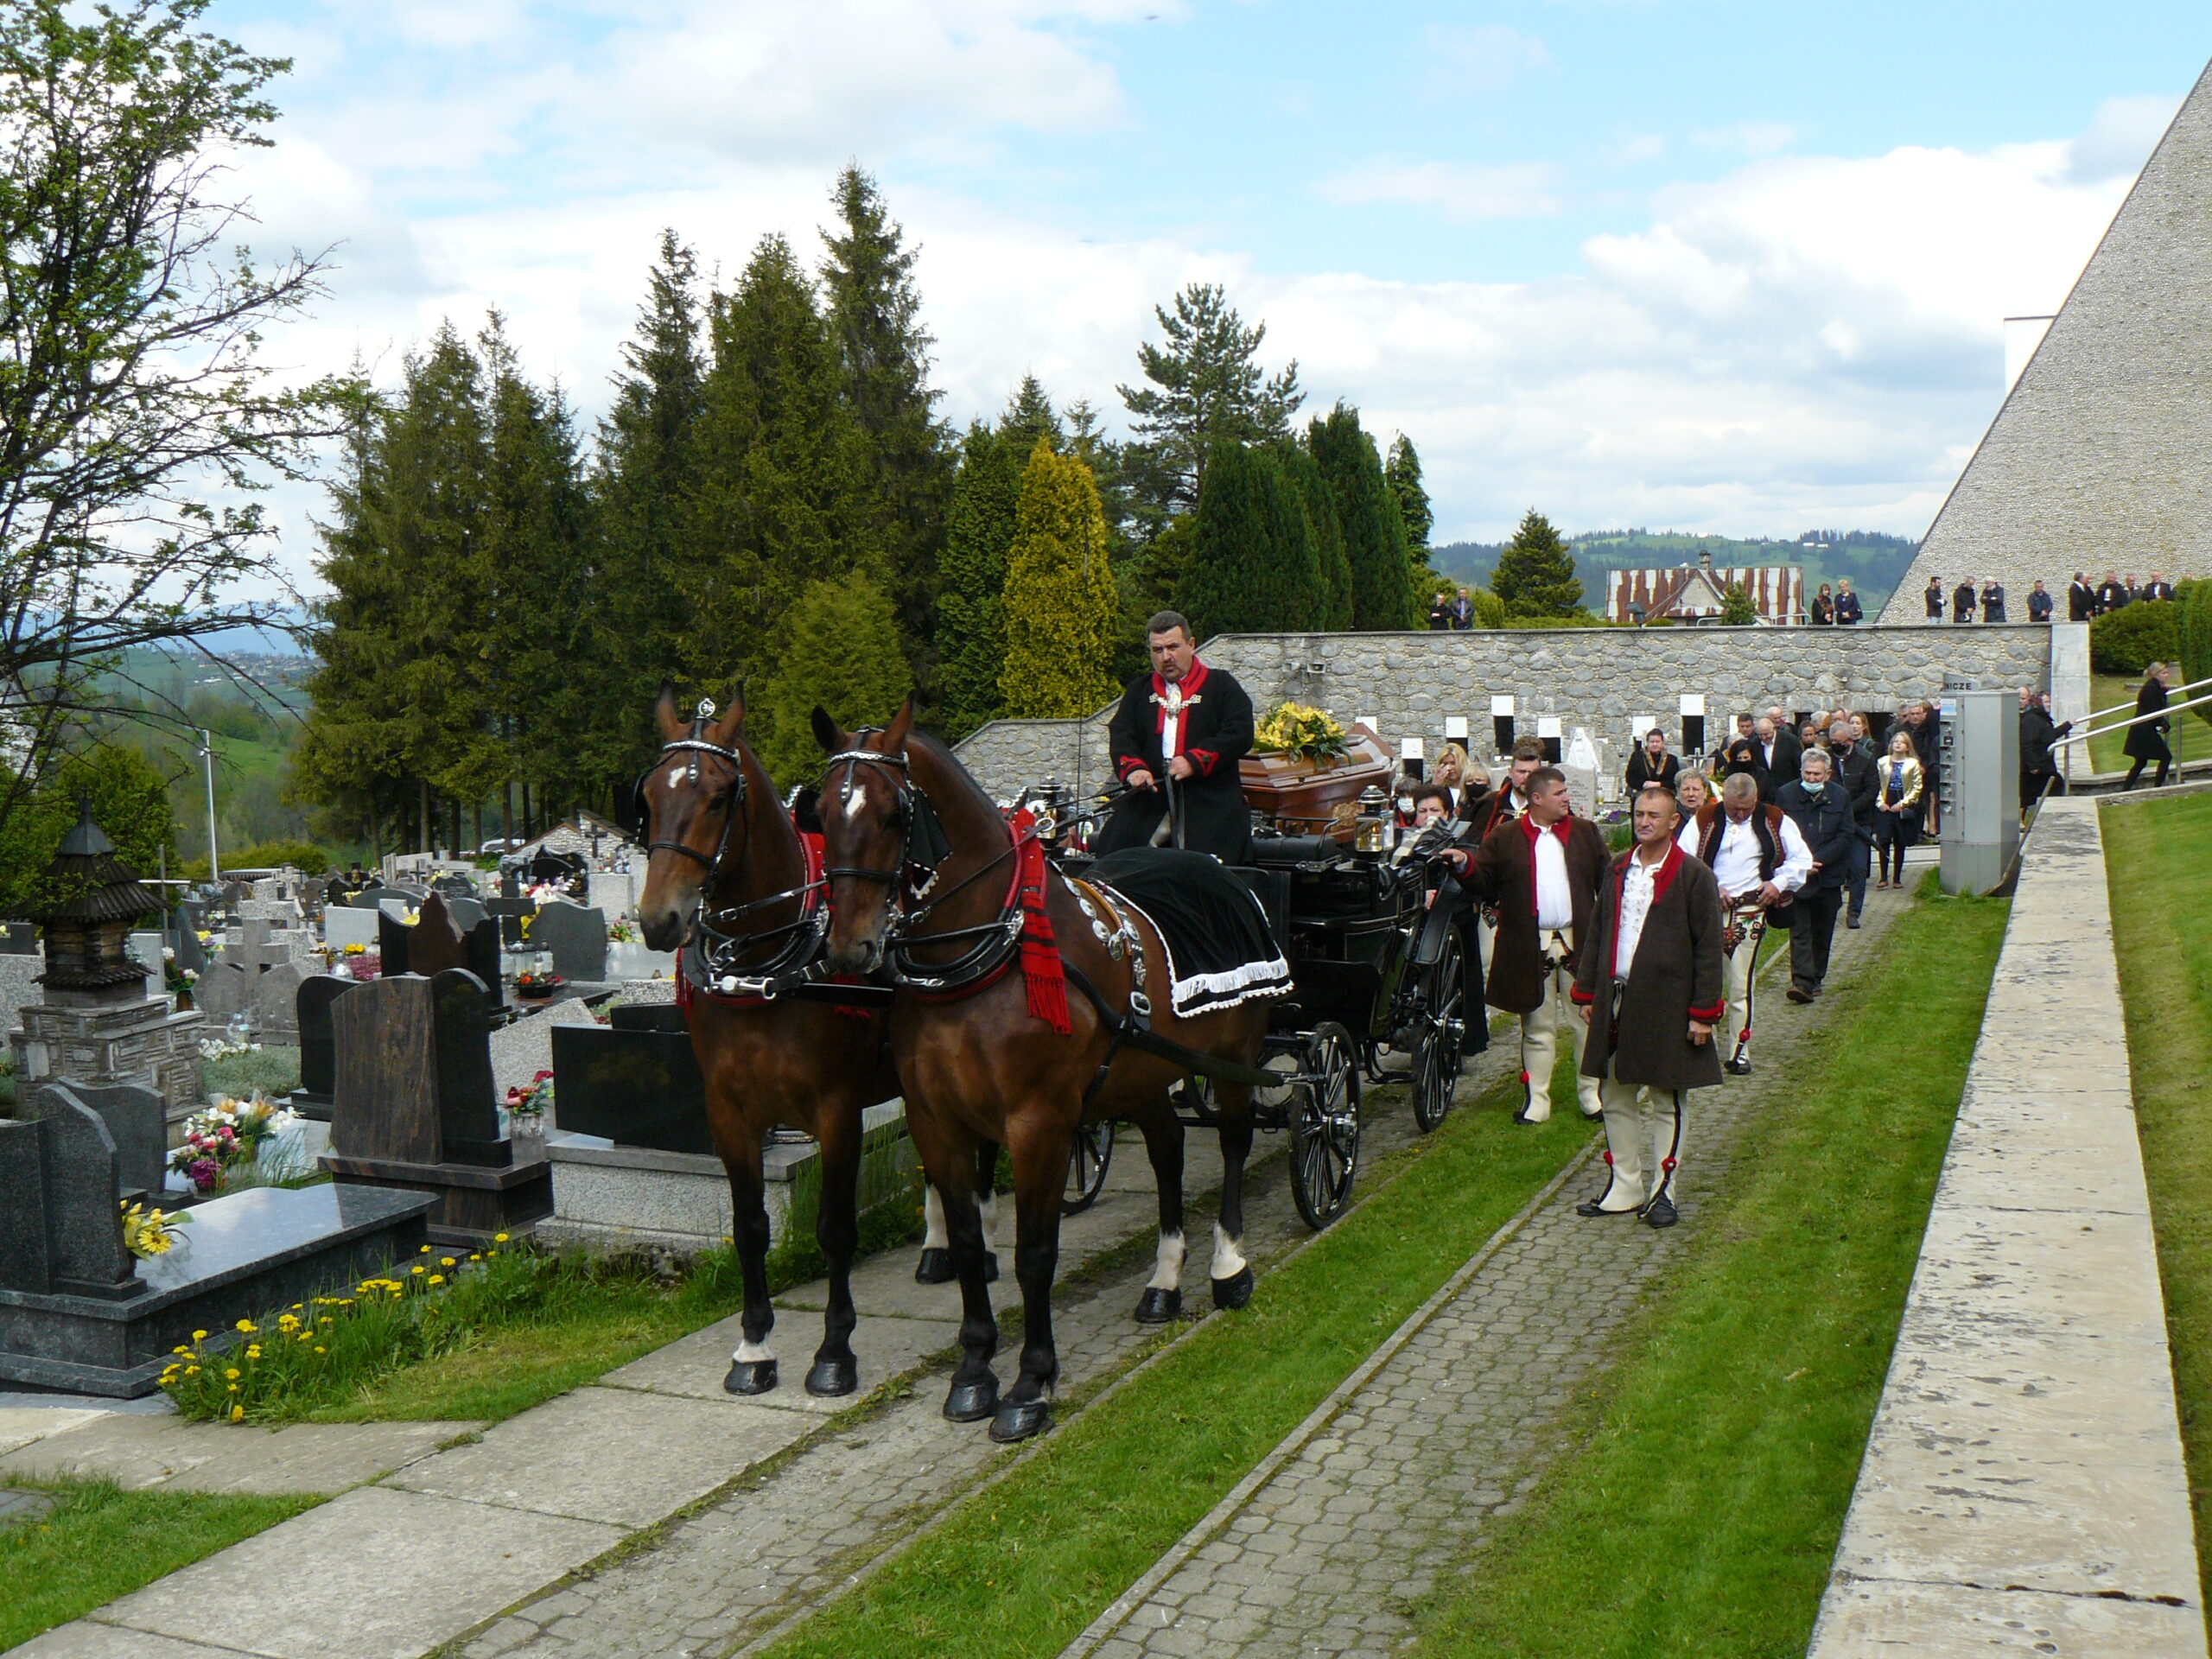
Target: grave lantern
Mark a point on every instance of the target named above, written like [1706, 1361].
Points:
[87, 932]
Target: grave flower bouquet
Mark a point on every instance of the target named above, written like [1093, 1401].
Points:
[1297, 729]
[149, 1233]
[538, 984]
[622, 932]
[215, 1048]
[532, 1100]
[228, 1135]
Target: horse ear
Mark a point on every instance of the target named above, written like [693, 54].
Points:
[732, 717]
[894, 739]
[672, 722]
[832, 737]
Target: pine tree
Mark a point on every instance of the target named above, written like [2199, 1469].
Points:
[1383, 593]
[1252, 568]
[1029, 416]
[840, 648]
[1328, 535]
[874, 313]
[1535, 572]
[971, 618]
[1402, 471]
[1059, 595]
[1205, 388]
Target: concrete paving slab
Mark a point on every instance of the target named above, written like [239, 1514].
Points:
[2065, 1162]
[2026, 1270]
[1956, 1622]
[22, 1425]
[375, 1575]
[693, 1366]
[138, 1452]
[616, 1455]
[85, 1640]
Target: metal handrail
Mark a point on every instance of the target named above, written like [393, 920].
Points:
[2095, 714]
[2156, 714]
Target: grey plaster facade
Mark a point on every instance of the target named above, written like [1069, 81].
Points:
[1599, 679]
[2095, 461]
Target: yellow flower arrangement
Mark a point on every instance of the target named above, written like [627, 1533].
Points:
[1301, 729]
[149, 1233]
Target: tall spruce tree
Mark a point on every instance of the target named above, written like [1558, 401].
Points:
[1402, 471]
[840, 648]
[1328, 536]
[1059, 595]
[1252, 568]
[1206, 387]
[1029, 416]
[1535, 572]
[874, 312]
[971, 602]
[1383, 593]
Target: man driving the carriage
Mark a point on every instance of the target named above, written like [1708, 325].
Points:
[1176, 739]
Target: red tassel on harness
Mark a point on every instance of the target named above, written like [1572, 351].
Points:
[1041, 970]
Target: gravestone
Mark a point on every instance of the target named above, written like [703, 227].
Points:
[68, 1192]
[453, 887]
[634, 1081]
[412, 1105]
[318, 1048]
[137, 1122]
[466, 910]
[343, 925]
[18, 938]
[508, 913]
[434, 944]
[231, 985]
[369, 898]
[576, 937]
[275, 1013]
[184, 938]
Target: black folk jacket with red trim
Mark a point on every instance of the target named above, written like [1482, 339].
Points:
[1679, 974]
[1216, 734]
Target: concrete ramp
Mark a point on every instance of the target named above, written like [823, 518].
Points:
[2024, 1490]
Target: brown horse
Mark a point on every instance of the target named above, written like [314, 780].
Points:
[718, 834]
[976, 1065]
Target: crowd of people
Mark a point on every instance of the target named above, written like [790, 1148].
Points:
[2085, 600]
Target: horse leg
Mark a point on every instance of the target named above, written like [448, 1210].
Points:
[987, 1201]
[835, 1371]
[1162, 1300]
[935, 1266]
[1039, 1141]
[1231, 1273]
[975, 1391]
[752, 1367]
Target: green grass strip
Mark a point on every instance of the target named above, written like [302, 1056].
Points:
[2155, 854]
[99, 1543]
[1699, 1509]
[1022, 1568]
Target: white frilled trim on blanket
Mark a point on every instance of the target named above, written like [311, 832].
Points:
[1205, 992]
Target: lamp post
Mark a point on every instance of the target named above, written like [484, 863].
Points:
[208, 758]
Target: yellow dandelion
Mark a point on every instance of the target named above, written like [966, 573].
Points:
[199, 1336]
[446, 1262]
[191, 1371]
[248, 1327]
[238, 1414]
[234, 1387]
[179, 1349]
[426, 1250]
[478, 1256]
[253, 1351]
[435, 1279]
[231, 1372]
[499, 1238]
[320, 1351]
[416, 1269]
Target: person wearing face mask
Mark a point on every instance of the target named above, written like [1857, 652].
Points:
[1759, 859]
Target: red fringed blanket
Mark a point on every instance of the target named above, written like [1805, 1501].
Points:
[1041, 970]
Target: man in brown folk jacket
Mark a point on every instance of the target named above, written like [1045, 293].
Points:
[1651, 986]
[1541, 872]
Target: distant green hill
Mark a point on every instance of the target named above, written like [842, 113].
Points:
[1874, 562]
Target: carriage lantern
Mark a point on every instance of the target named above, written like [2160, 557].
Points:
[1372, 800]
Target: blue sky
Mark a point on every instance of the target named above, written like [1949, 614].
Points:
[1718, 266]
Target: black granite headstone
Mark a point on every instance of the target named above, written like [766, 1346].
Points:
[318, 1044]
[385, 1075]
[18, 939]
[23, 1261]
[576, 936]
[453, 887]
[634, 1084]
[370, 897]
[465, 909]
[184, 939]
[508, 913]
[468, 1110]
[482, 948]
[84, 1216]
[137, 1122]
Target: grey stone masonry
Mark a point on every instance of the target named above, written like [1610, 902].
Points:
[1604, 680]
[2095, 461]
[2024, 1489]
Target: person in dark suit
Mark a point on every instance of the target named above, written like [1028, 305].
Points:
[1778, 747]
[2157, 587]
[2080, 599]
[1463, 611]
[1439, 614]
[2146, 738]
[2038, 604]
[1651, 764]
[2038, 769]
[1821, 612]
[1824, 816]
[1854, 770]
[1849, 613]
[1962, 601]
[1926, 726]
[2112, 594]
[1651, 985]
[1932, 597]
[1186, 725]
[1992, 601]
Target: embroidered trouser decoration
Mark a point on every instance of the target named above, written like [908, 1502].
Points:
[1747, 927]
[1540, 1030]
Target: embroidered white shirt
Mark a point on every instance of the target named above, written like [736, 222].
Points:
[1171, 725]
[1636, 905]
[1554, 899]
[1736, 860]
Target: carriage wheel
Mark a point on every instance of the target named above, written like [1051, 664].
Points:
[1324, 1128]
[1443, 1023]
[1087, 1160]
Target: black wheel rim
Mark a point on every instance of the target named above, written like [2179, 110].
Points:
[1088, 1161]
[1436, 1065]
[1324, 1152]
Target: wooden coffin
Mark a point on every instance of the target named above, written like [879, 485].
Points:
[1308, 797]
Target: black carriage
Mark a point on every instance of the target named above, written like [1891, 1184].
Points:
[1375, 965]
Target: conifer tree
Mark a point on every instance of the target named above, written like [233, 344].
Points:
[1206, 387]
[1383, 593]
[1402, 471]
[1252, 568]
[1029, 416]
[839, 648]
[1535, 572]
[1059, 595]
[874, 312]
[1334, 612]
[979, 529]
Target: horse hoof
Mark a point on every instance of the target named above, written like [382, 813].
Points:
[935, 1267]
[1233, 1292]
[831, 1378]
[1158, 1307]
[750, 1376]
[1019, 1422]
[971, 1402]
[990, 1267]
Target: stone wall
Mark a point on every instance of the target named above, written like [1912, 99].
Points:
[2095, 461]
[1595, 678]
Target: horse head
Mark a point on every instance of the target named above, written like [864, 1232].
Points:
[687, 803]
[865, 812]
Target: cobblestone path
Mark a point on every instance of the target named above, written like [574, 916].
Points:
[1390, 1484]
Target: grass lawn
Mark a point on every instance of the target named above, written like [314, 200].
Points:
[1699, 1510]
[273, 1071]
[2157, 853]
[1020, 1569]
[2191, 740]
[100, 1541]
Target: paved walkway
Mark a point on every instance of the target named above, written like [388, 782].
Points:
[2024, 1490]
[1321, 1550]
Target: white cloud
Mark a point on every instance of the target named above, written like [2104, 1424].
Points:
[1479, 58]
[1748, 137]
[1515, 190]
[2120, 139]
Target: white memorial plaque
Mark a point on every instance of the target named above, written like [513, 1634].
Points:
[1693, 703]
[1500, 706]
[1548, 726]
[1411, 749]
[1455, 729]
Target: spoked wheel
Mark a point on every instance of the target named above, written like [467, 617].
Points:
[1088, 1161]
[1436, 1055]
[1324, 1128]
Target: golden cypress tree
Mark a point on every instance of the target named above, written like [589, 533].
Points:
[1060, 604]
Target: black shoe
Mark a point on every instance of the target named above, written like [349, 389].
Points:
[1660, 1212]
[1799, 993]
[1851, 920]
[1596, 1118]
[1739, 1065]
